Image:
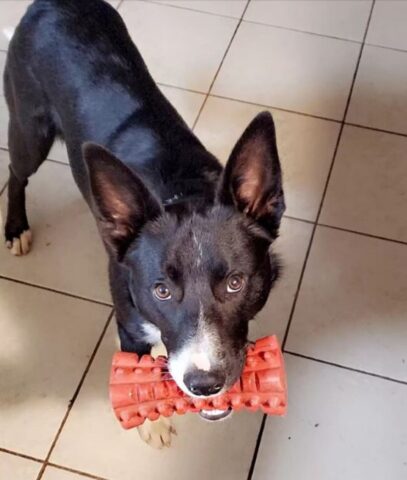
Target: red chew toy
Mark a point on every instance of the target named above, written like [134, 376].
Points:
[139, 390]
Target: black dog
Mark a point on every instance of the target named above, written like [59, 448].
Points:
[188, 242]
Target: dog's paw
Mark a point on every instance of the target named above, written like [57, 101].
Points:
[157, 434]
[20, 245]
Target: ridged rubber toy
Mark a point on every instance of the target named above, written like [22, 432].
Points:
[141, 388]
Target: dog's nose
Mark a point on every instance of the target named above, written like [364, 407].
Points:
[204, 383]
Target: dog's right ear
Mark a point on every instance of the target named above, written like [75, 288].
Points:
[123, 204]
[252, 179]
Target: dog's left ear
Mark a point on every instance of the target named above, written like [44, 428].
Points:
[252, 179]
[122, 202]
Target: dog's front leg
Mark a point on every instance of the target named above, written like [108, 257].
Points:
[158, 433]
[135, 337]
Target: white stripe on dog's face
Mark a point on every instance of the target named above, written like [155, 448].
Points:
[200, 352]
[198, 245]
[201, 361]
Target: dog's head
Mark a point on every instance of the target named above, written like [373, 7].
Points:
[197, 278]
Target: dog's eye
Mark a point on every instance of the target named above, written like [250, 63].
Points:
[235, 283]
[162, 292]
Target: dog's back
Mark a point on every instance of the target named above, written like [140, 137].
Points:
[73, 69]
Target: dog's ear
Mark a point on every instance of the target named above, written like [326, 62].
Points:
[123, 204]
[252, 179]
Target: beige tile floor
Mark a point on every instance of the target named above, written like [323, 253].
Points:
[334, 75]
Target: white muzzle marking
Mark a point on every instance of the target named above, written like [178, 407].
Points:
[201, 361]
[201, 352]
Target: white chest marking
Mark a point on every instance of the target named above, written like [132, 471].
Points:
[152, 333]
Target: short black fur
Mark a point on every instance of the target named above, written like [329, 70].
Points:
[167, 212]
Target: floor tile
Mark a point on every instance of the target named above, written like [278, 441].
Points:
[388, 24]
[335, 18]
[291, 246]
[47, 339]
[305, 144]
[352, 304]
[18, 468]
[11, 13]
[291, 70]
[4, 161]
[201, 449]
[52, 473]
[368, 187]
[190, 45]
[67, 252]
[379, 99]
[229, 8]
[340, 424]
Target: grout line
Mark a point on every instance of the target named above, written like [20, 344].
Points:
[257, 447]
[280, 109]
[73, 470]
[383, 47]
[375, 129]
[3, 189]
[188, 8]
[21, 455]
[220, 66]
[248, 102]
[119, 5]
[60, 292]
[310, 222]
[363, 234]
[260, 434]
[75, 395]
[58, 162]
[306, 32]
[344, 367]
[185, 89]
